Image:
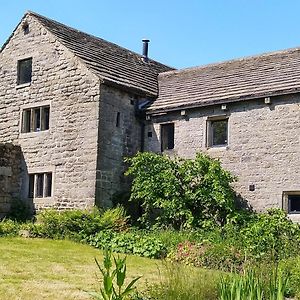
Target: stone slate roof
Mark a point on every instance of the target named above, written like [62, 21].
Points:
[112, 63]
[266, 75]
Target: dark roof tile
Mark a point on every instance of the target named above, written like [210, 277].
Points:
[109, 61]
[265, 75]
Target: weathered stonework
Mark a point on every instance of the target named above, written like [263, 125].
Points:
[263, 147]
[96, 93]
[69, 147]
[116, 141]
[83, 148]
[10, 169]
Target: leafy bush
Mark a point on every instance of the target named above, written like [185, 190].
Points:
[266, 237]
[78, 224]
[180, 192]
[138, 243]
[271, 235]
[9, 228]
[214, 256]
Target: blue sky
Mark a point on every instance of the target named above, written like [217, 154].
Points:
[182, 33]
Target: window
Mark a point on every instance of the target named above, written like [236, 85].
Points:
[167, 136]
[217, 132]
[118, 119]
[36, 119]
[292, 202]
[24, 71]
[40, 185]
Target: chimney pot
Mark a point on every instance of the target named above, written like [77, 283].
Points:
[145, 49]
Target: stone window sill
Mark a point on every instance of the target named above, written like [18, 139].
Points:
[217, 148]
[21, 86]
[25, 135]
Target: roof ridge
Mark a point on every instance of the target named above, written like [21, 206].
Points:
[96, 37]
[240, 59]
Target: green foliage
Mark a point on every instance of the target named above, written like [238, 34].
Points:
[182, 282]
[131, 242]
[114, 280]
[181, 192]
[271, 235]
[9, 227]
[254, 285]
[78, 224]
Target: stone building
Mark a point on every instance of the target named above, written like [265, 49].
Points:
[76, 105]
[245, 112]
[70, 100]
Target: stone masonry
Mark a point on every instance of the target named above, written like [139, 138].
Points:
[69, 148]
[10, 168]
[263, 147]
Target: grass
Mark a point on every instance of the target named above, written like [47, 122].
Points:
[49, 269]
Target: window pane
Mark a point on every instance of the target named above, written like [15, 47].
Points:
[26, 120]
[45, 118]
[167, 136]
[37, 119]
[24, 71]
[294, 203]
[31, 186]
[219, 132]
[48, 187]
[39, 185]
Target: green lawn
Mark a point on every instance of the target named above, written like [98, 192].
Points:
[49, 269]
[46, 269]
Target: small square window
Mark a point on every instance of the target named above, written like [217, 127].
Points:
[40, 185]
[217, 132]
[36, 119]
[167, 136]
[24, 71]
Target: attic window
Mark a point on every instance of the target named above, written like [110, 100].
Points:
[25, 28]
[24, 71]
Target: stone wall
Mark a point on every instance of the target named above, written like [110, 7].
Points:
[69, 148]
[263, 148]
[10, 170]
[119, 137]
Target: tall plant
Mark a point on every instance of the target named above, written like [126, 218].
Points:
[180, 192]
[114, 279]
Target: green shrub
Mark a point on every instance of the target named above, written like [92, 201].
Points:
[78, 224]
[214, 256]
[131, 242]
[271, 236]
[9, 227]
[181, 192]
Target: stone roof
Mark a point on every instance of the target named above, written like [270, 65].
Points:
[112, 63]
[270, 74]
